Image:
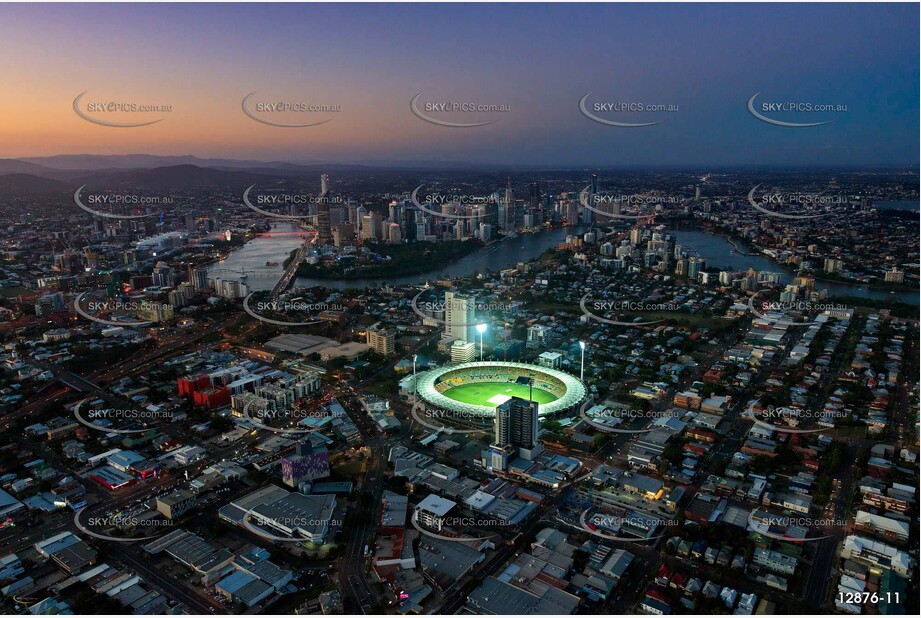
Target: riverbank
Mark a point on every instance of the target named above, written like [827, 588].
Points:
[715, 248]
[494, 256]
[820, 278]
[396, 261]
[720, 253]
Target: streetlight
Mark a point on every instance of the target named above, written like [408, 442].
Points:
[582, 367]
[414, 383]
[481, 328]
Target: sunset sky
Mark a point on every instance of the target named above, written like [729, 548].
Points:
[538, 59]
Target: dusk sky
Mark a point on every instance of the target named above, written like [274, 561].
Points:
[537, 59]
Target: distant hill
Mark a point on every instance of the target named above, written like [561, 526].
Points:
[144, 161]
[177, 177]
[133, 161]
[29, 184]
[59, 163]
[17, 166]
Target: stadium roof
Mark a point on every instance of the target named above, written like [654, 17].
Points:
[575, 390]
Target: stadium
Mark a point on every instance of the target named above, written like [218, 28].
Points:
[476, 389]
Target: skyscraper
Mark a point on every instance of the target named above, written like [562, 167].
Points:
[460, 316]
[508, 220]
[588, 216]
[534, 195]
[370, 226]
[163, 275]
[198, 277]
[324, 233]
[516, 426]
[409, 224]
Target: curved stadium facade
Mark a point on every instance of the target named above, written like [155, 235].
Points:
[486, 384]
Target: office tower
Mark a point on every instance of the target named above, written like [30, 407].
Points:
[517, 425]
[507, 222]
[353, 213]
[337, 215]
[395, 234]
[448, 209]
[409, 224]
[589, 216]
[370, 226]
[460, 316]
[572, 213]
[534, 196]
[345, 233]
[493, 210]
[324, 232]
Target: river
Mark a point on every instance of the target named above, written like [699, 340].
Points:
[494, 257]
[252, 258]
[719, 253]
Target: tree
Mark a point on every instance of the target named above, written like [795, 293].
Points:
[600, 440]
